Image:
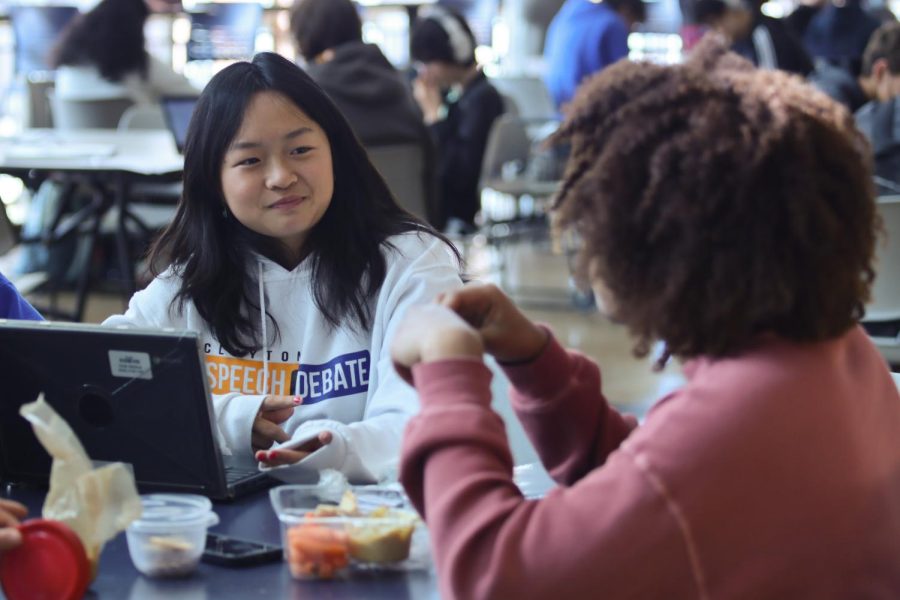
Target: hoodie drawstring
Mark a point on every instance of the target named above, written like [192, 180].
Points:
[262, 316]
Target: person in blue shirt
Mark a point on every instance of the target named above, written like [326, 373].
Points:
[13, 305]
[585, 37]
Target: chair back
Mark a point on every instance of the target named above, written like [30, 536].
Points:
[530, 96]
[507, 143]
[39, 87]
[403, 168]
[885, 303]
[142, 116]
[88, 114]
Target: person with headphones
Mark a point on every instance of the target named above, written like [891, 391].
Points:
[459, 105]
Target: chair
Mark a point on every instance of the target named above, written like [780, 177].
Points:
[38, 88]
[530, 96]
[88, 114]
[403, 168]
[142, 116]
[882, 318]
[513, 202]
[504, 171]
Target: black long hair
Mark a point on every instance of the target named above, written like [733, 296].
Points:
[110, 37]
[212, 252]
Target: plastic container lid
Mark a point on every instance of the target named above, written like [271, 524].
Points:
[167, 511]
[50, 563]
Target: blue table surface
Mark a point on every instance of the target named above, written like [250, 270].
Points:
[250, 518]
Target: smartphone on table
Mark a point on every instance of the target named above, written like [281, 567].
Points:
[227, 551]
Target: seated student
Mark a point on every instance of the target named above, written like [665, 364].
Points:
[727, 212]
[584, 38]
[366, 87]
[13, 305]
[459, 104]
[766, 42]
[291, 258]
[879, 80]
[101, 56]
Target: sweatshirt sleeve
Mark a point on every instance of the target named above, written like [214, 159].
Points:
[368, 450]
[152, 308]
[489, 542]
[557, 397]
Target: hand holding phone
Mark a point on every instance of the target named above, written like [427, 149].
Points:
[232, 552]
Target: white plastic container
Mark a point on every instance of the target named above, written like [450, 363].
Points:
[168, 539]
[323, 546]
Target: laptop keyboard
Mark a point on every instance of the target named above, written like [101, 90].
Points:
[237, 472]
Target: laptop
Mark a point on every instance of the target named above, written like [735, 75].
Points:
[177, 111]
[131, 395]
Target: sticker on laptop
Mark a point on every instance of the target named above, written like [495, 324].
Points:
[131, 365]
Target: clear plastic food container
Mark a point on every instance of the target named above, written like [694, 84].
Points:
[168, 539]
[329, 535]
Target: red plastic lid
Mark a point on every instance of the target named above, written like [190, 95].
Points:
[50, 563]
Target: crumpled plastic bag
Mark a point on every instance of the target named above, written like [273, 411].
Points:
[95, 503]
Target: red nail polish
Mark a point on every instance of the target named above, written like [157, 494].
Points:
[297, 400]
[273, 454]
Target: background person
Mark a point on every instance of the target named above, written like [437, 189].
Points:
[13, 305]
[370, 92]
[459, 105]
[292, 260]
[766, 42]
[584, 38]
[101, 56]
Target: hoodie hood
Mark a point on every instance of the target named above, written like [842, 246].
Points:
[361, 72]
[372, 94]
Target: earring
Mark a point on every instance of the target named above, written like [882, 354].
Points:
[224, 212]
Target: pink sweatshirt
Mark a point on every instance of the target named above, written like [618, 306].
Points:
[774, 474]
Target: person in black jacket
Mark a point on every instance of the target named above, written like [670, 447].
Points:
[764, 41]
[366, 87]
[459, 104]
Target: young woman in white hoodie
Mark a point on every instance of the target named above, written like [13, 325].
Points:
[291, 258]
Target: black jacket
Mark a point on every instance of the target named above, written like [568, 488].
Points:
[461, 139]
[379, 105]
[840, 85]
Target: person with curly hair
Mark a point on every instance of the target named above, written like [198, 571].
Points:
[101, 56]
[729, 213]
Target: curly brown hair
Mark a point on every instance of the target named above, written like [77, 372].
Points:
[717, 202]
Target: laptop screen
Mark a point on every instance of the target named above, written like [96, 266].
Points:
[177, 112]
[135, 396]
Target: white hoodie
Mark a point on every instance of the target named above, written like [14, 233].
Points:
[345, 377]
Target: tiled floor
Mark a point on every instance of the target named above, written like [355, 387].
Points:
[537, 278]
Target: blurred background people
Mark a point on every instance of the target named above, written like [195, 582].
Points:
[459, 105]
[766, 42]
[879, 80]
[838, 33]
[583, 38]
[798, 20]
[879, 119]
[366, 87]
[13, 305]
[101, 56]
